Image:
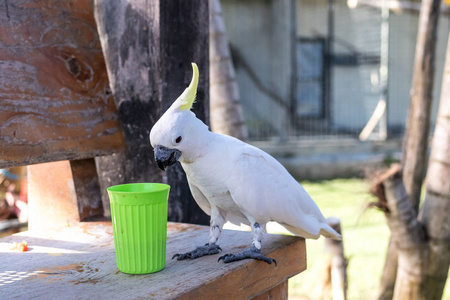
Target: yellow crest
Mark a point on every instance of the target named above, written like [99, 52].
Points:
[190, 93]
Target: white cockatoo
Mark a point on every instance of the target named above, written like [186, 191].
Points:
[232, 181]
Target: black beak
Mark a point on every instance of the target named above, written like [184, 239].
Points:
[165, 157]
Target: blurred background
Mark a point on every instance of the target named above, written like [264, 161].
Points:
[314, 66]
[324, 86]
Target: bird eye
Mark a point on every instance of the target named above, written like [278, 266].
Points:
[178, 140]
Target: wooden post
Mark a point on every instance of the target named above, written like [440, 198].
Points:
[87, 188]
[338, 263]
[148, 48]
[332, 277]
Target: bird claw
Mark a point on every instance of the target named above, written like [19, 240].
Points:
[208, 249]
[250, 253]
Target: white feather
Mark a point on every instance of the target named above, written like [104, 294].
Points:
[236, 181]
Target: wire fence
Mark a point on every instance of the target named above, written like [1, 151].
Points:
[336, 58]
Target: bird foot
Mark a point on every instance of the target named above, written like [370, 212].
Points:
[208, 249]
[253, 252]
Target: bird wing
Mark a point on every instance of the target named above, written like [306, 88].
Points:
[263, 189]
[201, 200]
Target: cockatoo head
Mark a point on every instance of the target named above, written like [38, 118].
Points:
[176, 134]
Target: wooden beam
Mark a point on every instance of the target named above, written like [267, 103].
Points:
[54, 94]
[80, 260]
[148, 48]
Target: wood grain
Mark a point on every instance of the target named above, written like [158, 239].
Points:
[54, 93]
[80, 260]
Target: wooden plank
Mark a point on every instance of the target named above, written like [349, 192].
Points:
[80, 260]
[54, 93]
[148, 47]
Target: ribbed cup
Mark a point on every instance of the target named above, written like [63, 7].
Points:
[139, 218]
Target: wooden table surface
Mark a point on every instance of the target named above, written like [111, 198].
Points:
[78, 262]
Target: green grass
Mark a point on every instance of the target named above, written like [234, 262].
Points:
[365, 236]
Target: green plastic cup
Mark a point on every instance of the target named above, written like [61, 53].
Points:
[139, 218]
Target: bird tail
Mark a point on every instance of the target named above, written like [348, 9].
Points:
[329, 232]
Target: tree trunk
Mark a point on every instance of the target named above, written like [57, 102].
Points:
[148, 49]
[423, 259]
[387, 283]
[436, 208]
[226, 109]
[415, 145]
[407, 234]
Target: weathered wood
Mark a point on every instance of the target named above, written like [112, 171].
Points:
[110, 172]
[52, 199]
[129, 41]
[87, 188]
[54, 94]
[148, 48]
[189, 44]
[80, 260]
